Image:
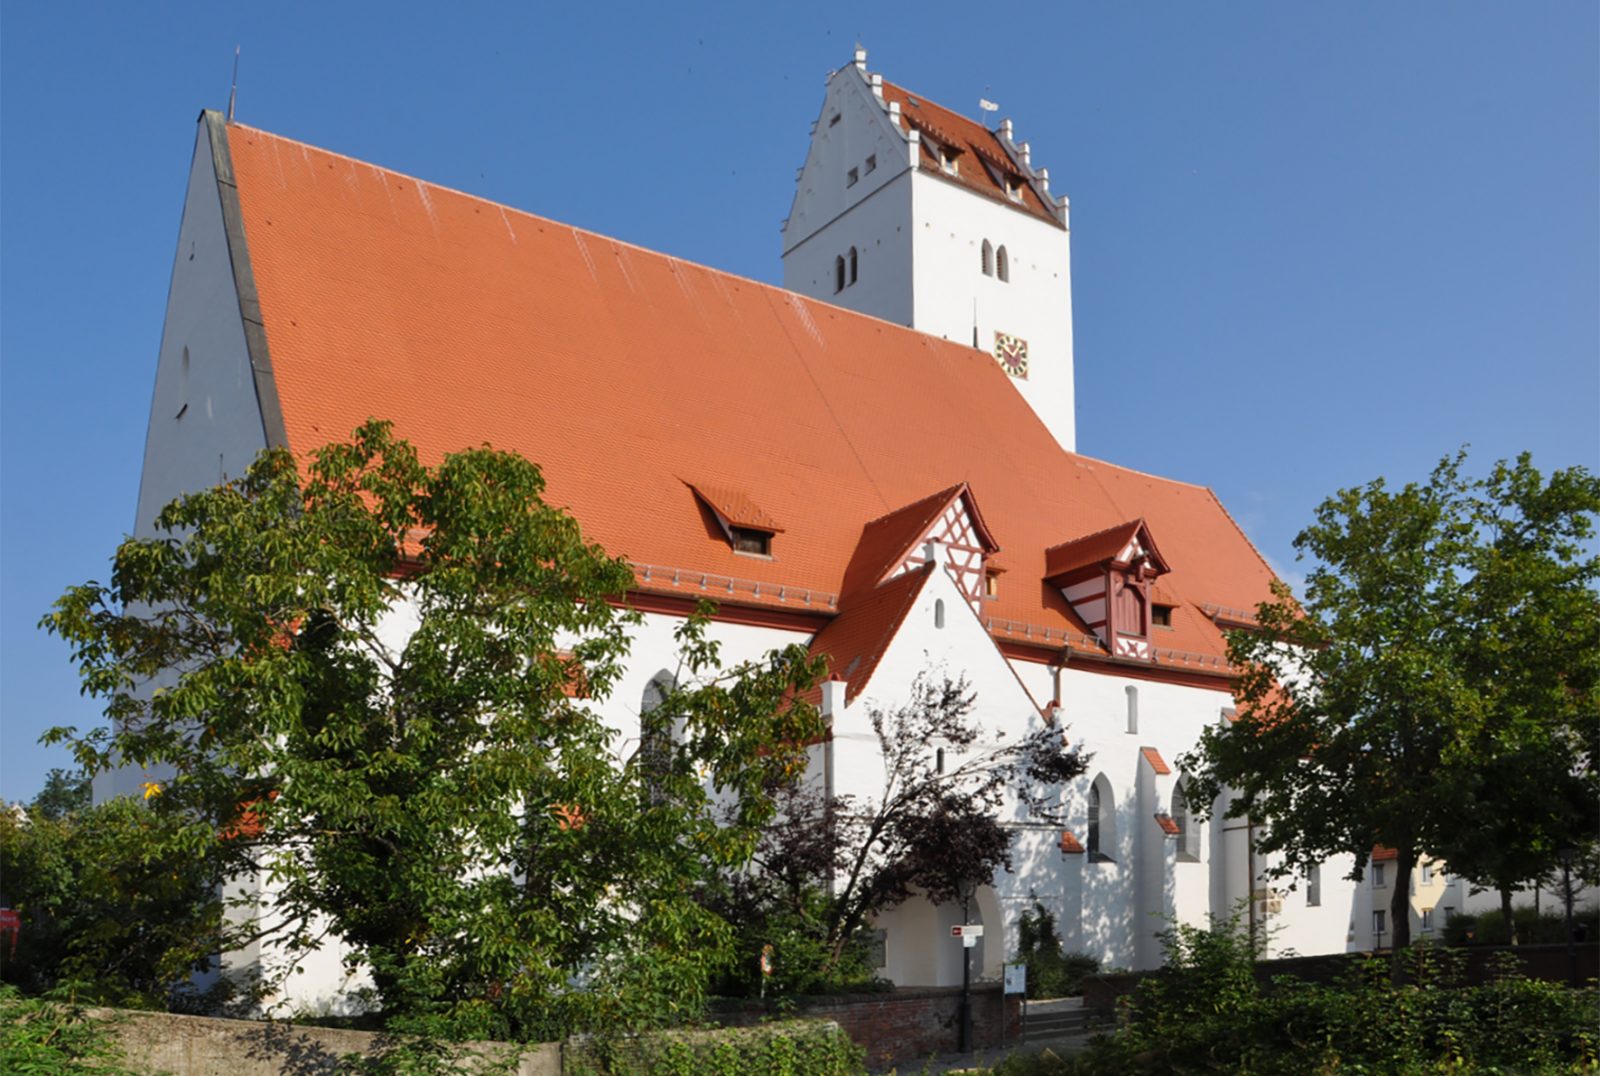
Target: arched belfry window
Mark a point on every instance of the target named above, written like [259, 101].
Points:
[838, 273]
[1002, 264]
[988, 258]
[852, 265]
[1102, 829]
[1188, 833]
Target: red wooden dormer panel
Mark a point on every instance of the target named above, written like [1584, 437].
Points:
[1106, 577]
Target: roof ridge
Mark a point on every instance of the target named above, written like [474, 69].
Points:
[1134, 522]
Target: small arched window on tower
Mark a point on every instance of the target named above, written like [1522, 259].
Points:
[853, 265]
[988, 258]
[838, 274]
[1002, 264]
[938, 613]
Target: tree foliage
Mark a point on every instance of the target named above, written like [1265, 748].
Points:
[1436, 690]
[118, 903]
[381, 685]
[64, 792]
[828, 865]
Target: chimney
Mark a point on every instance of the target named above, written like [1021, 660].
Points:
[1024, 150]
[934, 550]
[1005, 130]
[1044, 178]
[877, 86]
[833, 690]
[861, 59]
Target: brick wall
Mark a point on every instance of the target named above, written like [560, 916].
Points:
[903, 1024]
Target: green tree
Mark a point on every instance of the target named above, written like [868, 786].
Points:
[117, 902]
[379, 685]
[1432, 649]
[64, 792]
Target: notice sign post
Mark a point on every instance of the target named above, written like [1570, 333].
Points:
[969, 933]
[1015, 978]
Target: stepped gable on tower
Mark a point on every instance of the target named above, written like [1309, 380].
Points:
[628, 374]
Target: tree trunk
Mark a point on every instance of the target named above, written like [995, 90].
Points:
[1400, 912]
[1505, 914]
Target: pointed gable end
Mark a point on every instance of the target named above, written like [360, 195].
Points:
[1106, 576]
[894, 544]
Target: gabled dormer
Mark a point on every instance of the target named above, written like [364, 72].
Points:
[748, 528]
[1106, 577]
[901, 542]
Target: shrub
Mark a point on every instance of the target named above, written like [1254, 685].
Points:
[39, 1036]
[1544, 926]
[793, 1048]
[1051, 973]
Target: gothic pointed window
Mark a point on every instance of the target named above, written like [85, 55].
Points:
[1102, 831]
[1188, 832]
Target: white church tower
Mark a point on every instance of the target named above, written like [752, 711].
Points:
[915, 214]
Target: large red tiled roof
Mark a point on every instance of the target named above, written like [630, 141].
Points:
[625, 372]
[855, 640]
[981, 153]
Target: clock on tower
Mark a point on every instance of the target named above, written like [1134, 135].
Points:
[1012, 354]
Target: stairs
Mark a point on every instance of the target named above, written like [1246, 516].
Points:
[1061, 1018]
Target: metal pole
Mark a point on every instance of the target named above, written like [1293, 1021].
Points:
[1572, 944]
[966, 996]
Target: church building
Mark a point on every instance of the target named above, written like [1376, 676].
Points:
[876, 460]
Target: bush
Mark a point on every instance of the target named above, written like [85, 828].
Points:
[794, 1048]
[38, 1036]
[1542, 926]
[1206, 1012]
[1051, 973]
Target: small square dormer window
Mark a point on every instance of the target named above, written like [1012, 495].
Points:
[1161, 615]
[872, 164]
[751, 542]
[991, 584]
[947, 160]
[852, 177]
[1014, 188]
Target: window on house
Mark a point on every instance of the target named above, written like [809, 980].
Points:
[991, 584]
[658, 733]
[1014, 188]
[1426, 870]
[838, 273]
[947, 160]
[833, 119]
[1379, 879]
[751, 542]
[851, 177]
[1002, 264]
[872, 164]
[1161, 616]
[938, 761]
[878, 948]
[988, 258]
[1188, 832]
[1102, 821]
[1314, 886]
[938, 612]
[853, 260]
[1133, 708]
[1378, 922]
[1427, 920]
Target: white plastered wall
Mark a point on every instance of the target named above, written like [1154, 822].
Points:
[953, 296]
[830, 214]
[205, 421]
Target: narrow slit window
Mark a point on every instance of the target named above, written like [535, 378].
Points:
[938, 613]
[872, 163]
[838, 273]
[1002, 264]
[852, 177]
[988, 258]
[854, 258]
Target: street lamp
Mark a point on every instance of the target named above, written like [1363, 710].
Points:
[965, 888]
[1567, 855]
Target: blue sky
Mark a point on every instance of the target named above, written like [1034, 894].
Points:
[1313, 244]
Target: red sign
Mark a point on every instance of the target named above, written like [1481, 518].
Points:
[11, 923]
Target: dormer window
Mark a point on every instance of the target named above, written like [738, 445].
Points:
[1161, 616]
[833, 120]
[947, 160]
[751, 542]
[852, 177]
[872, 163]
[991, 584]
[1107, 578]
[1014, 188]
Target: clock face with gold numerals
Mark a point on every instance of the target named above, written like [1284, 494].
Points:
[1012, 354]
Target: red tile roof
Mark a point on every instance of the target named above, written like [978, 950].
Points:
[735, 507]
[981, 154]
[1070, 844]
[887, 540]
[868, 620]
[618, 370]
[1157, 763]
[1168, 824]
[1381, 854]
